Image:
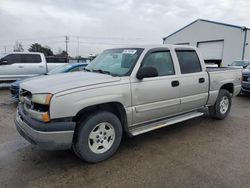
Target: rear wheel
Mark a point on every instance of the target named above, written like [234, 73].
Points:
[222, 106]
[98, 137]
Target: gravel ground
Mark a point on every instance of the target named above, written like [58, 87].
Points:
[196, 153]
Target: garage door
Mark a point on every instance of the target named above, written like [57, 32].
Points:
[212, 49]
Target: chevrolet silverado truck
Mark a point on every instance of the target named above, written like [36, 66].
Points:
[124, 90]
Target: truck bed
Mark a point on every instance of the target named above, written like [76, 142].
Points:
[215, 69]
[220, 76]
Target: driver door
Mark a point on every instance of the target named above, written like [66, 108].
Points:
[157, 97]
[11, 70]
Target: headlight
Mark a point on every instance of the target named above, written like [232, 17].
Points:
[41, 98]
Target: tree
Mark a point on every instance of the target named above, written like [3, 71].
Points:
[62, 54]
[36, 47]
[18, 47]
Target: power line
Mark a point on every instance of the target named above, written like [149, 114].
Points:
[31, 39]
[110, 38]
[74, 36]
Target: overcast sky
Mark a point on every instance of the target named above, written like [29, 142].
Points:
[109, 23]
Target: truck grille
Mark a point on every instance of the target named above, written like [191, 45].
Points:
[25, 98]
[25, 93]
[29, 105]
[245, 78]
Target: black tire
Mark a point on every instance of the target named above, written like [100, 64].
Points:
[81, 141]
[214, 111]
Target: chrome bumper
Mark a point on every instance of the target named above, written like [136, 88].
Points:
[56, 140]
[245, 87]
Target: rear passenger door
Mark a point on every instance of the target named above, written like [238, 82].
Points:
[32, 65]
[156, 97]
[194, 81]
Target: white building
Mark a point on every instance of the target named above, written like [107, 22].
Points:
[219, 42]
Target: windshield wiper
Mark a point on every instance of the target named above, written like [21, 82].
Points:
[102, 71]
[87, 70]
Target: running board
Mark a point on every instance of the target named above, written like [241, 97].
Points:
[163, 123]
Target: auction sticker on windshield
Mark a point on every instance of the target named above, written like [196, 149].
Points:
[128, 51]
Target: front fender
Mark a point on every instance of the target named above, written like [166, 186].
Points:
[68, 105]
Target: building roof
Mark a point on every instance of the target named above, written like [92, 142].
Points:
[208, 21]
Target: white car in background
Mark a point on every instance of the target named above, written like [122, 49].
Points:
[17, 65]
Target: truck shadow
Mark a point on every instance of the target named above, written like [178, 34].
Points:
[29, 162]
[32, 154]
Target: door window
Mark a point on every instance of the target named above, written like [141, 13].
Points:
[162, 61]
[189, 61]
[13, 58]
[31, 58]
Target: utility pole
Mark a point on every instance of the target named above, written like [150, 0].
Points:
[77, 46]
[5, 49]
[66, 43]
[78, 58]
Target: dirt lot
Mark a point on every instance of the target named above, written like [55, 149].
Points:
[197, 153]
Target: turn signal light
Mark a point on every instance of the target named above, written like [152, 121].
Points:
[45, 117]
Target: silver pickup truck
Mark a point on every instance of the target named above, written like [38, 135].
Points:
[132, 90]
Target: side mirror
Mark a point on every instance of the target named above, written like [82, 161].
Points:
[146, 72]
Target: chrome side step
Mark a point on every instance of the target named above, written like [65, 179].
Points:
[163, 123]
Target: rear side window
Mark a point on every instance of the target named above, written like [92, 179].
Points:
[13, 58]
[189, 61]
[31, 58]
[162, 61]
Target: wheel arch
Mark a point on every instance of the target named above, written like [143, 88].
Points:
[229, 87]
[114, 107]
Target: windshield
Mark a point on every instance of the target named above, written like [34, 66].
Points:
[116, 62]
[59, 69]
[240, 63]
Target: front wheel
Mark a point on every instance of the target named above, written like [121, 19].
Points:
[222, 106]
[98, 137]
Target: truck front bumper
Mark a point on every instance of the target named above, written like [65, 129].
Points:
[245, 87]
[49, 138]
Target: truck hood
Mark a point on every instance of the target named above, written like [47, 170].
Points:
[62, 82]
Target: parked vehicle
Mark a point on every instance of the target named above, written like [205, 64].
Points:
[245, 84]
[71, 67]
[132, 90]
[240, 64]
[16, 65]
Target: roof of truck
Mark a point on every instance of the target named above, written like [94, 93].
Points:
[39, 53]
[25, 53]
[150, 46]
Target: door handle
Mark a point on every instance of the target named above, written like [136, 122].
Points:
[175, 83]
[201, 80]
[20, 66]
